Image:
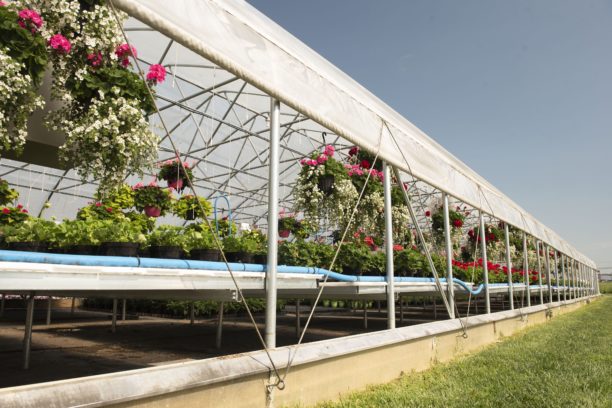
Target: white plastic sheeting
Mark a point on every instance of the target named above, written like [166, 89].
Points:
[240, 39]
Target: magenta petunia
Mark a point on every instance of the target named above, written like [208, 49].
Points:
[60, 44]
[156, 74]
[30, 20]
[123, 52]
[95, 59]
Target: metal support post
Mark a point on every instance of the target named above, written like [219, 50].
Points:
[365, 316]
[273, 183]
[191, 313]
[539, 272]
[563, 276]
[114, 319]
[483, 243]
[509, 265]
[401, 305]
[526, 268]
[27, 336]
[574, 291]
[219, 334]
[449, 259]
[547, 260]
[49, 300]
[557, 280]
[2, 304]
[389, 247]
[72, 307]
[298, 323]
[123, 309]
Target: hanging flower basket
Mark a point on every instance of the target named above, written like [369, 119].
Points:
[151, 211]
[284, 233]
[326, 183]
[176, 174]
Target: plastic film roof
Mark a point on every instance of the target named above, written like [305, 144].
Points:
[244, 42]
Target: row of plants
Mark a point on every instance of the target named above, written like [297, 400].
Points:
[181, 308]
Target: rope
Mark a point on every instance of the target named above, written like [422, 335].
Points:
[279, 384]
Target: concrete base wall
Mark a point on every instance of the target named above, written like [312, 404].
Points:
[321, 371]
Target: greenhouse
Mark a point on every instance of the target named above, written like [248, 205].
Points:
[195, 150]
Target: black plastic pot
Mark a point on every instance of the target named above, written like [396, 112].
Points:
[326, 183]
[29, 246]
[352, 270]
[260, 259]
[201, 254]
[165, 252]
[119, 249]
[83, 249]
[190, 215]
[240, 256]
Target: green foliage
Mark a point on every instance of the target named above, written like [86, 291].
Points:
[119, 197]
[22, 45]
[199, 236]
[287, 223]
[354, 256]
[78, 232]
[13, 215]
[225, 227]
[98, 211]
[244, 243]
[192, 204]
[118, 231]
[305, 253]
[563, 363]
[109, 80]
[167, 235]
[409, 262]
[172, 170]
[153, 196]
[7, 194]
[32, 230]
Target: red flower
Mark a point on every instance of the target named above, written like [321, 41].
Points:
[427, 213]
[354, 150]
[24, 211]
[98, 204]
[109, 209]
[19, 206]
[365, 164]
[458, 223]
[397, 247]
[6, 210]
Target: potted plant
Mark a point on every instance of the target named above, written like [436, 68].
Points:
[175, 173]
[7, 194]
[119, 238]
[190, 207]
[23, 58]
[286, 225]
[408, 262]
[13, 215]
[78, 236]
[260, 252]
[152, 199]
[34, 235]
[166, 242]
[201, 244]
[240, 248]
[353, 258]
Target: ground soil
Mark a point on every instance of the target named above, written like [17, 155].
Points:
[82, 344]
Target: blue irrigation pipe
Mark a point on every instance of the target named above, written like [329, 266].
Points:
[135, 262]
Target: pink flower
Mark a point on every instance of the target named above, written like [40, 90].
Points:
[2, 4]
[152, 184]
[312, 162]
[304, 162]
[329, 150]
[156, 74]
[398, 247]
[98, 204]
[322, 159]
[60, 44]
[6, 210]
[95, 59]
[24, 211]
[137, 186]
[123, 52]
[30, 20]
[19, 206]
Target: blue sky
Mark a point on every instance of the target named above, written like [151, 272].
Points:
[519, 90]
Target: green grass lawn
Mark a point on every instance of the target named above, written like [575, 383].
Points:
[605, 287]
[565, 363]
